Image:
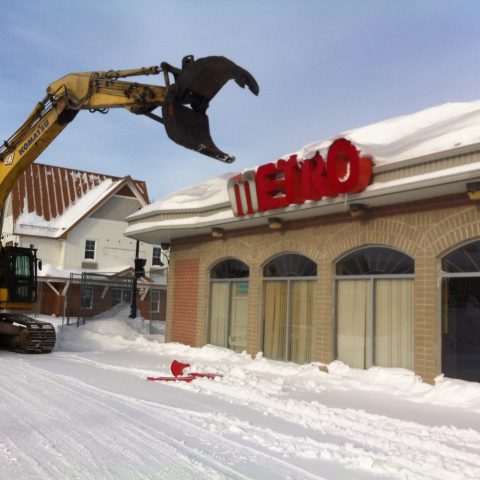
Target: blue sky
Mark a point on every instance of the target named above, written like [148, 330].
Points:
[323, 67]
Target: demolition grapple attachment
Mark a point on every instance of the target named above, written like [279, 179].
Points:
[196, 83]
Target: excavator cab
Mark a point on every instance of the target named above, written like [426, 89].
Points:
[18, 287]
[18, 291]
[184, 109]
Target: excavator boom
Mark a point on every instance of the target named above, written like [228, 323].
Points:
[183, 104]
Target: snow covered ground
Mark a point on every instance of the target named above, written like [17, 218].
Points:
[86, 412]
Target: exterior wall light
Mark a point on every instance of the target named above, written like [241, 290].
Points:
[357, 209]
[473, 190]
[275, 223]
[217, 232]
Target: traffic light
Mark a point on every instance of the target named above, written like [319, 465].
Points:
[140, 267]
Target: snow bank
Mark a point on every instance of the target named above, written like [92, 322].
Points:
[115, 332]
[456, 393]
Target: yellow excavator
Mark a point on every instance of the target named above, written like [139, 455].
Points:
[184, 100]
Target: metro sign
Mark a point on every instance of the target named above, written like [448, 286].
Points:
[289, 182]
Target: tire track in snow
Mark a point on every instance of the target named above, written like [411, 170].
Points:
[155, 445]
[355, 438]
[147, 448]
[369, 441]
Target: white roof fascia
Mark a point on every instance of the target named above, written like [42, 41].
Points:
[190, 225]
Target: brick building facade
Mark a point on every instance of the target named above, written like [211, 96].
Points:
[389, 276]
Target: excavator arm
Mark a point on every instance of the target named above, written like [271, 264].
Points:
[183, 103]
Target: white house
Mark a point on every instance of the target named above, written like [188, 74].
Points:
[76, 221]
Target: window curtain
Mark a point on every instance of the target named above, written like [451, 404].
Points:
[301, 312]
[237, 339]
[274, 319]
[394, 323]
[354, 323]
[219, 313]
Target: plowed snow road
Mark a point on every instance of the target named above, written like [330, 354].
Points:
[93, 416]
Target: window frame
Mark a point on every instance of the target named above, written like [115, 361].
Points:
[86, 249]
[157, 259]
[152, 301]
[288, 280]
[372, 278]
[214, 270]
[445, 276]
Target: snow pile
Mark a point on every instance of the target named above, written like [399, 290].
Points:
[457, 393]
[112, 330]
[263, 419]
[115, 332]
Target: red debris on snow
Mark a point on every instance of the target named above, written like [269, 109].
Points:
[177, 369]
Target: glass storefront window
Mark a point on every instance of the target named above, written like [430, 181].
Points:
[374, 308]
[461, 313]
[229, 305]
[288, 307]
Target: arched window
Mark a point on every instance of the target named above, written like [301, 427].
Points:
[375, 261]
[374, 308]
[229, 304]
[288, 307]
[461, 312]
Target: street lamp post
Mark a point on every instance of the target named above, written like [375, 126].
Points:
[139, 272]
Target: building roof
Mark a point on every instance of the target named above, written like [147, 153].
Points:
[401, 144]
[49, 201]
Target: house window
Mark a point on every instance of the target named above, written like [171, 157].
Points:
[87, 297]
[229, 304]
[156, 256]
[155, 300]
[89, 249]
[374, 308]
[288, 307]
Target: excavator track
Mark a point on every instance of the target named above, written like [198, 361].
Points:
[25, 334]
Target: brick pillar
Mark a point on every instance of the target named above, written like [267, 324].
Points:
[324, 299]
[426, 317]
[185, 301]
[255, 321]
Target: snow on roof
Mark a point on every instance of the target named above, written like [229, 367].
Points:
[49, 271]
[446, 127]
[436, 129]
[30, 223]
[196, 197]
[48, 200]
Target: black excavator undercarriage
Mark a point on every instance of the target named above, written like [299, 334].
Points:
[24, 334]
